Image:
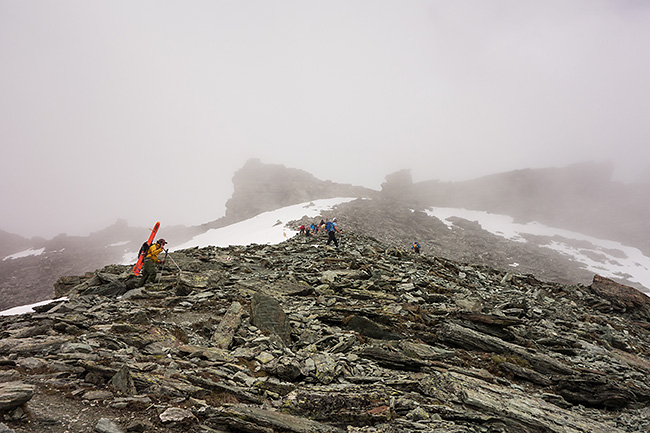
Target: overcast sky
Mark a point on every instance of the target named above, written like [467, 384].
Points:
[144, 110]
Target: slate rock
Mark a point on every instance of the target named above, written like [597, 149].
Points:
[177, 415]
[105, 425]
[622, 298]
[267, 314]
[276, 421]
[367, 327]
[14, 394]
[123, 381]
[5, 429]
[225, 331]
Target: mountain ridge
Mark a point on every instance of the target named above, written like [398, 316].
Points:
[260, 187]
[579, 197]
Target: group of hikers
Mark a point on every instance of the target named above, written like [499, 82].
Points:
[149, 270]
[330, 227]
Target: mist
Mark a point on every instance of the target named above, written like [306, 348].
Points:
[144, 110]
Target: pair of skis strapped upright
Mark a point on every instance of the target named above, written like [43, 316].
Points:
[145, 249]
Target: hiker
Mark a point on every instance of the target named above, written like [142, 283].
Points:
[302, 229]
[416, 247]
[332, 228]
[149, 268]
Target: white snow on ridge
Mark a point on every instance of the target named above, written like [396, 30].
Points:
[27, 308]
[607, 258]
[26, 253]
[265, 228]
[501, 225]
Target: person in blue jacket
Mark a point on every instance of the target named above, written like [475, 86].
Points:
[332, 228]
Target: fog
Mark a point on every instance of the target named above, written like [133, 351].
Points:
[143, 110]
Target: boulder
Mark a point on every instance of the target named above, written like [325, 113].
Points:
[14, 394]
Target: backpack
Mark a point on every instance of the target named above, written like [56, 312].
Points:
[329, 227]
[144, 249]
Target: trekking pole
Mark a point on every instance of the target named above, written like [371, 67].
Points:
[180, 271]
[174, 262]
[159, 276]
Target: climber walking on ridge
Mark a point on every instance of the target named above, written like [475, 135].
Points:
[149, 268]
[332, 228]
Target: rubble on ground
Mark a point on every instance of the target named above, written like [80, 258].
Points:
[301, 337]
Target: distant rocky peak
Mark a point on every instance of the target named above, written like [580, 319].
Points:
[260, 187]
[401, 178]
[399, 187]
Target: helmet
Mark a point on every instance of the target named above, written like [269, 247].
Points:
[161, 241]
[334, 219]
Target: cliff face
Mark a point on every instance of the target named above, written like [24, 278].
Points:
[299, 337]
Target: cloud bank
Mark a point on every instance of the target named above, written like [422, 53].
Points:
[144, 110]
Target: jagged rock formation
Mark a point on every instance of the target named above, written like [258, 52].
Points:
[299, 337]
[399, 188]
[262, 187]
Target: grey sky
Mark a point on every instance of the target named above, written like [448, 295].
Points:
[144, 109]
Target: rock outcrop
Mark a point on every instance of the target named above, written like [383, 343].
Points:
[299, 337]
[262, 187]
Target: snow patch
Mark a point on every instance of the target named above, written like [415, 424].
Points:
[28, 308]
[265, 228]
[26, 253]
[604, 257]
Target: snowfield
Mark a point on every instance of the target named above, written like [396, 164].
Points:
[29, 252]
[600, 256]
[265, 228]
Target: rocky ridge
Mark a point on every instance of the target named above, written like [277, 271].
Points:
[577, 197]
[301, 337]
